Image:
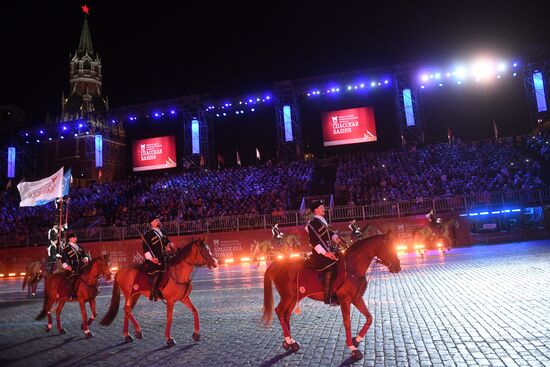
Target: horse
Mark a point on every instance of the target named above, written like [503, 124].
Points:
[86, 284]
[178, 288]
[350, 283]
[261, 249]
[426, 236]
[34, 272]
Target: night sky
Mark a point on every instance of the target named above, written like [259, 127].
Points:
[159, 50]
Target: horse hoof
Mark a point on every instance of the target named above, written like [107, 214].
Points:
[170, 343]
[138, 334]
[356, 355]
[295, 347]
[128, 339]
[286, 345]
[355, 342]
[90, 320]
[47, 329]
[62, 331]
[89, 335]
[196, 337]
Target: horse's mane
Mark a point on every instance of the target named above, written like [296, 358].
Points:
[360, 243]
[92, 262]
[181, 254]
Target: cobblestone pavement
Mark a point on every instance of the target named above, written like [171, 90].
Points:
[476, 306]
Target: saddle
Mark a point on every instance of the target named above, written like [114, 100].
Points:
[144, 279]
[309, 281]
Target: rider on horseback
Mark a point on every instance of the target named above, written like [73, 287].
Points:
[324, 243]
[53, 248]
[156, 247]
[74, 259]
[435, 223]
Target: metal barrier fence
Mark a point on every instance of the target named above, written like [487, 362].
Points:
[492, 200]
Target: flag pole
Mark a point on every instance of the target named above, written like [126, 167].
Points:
[60, 221]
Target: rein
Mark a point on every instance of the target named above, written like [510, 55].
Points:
[193, 272]
[80, 277]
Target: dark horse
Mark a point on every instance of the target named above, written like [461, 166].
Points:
[34, 272]
[351, 284]
[86, 285]
[178, 288]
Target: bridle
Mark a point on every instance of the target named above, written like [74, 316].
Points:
[194, 264]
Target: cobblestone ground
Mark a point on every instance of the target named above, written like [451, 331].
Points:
[476, 306]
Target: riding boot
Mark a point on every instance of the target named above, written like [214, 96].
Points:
[153, 295]
[327, 283]
[72, 291]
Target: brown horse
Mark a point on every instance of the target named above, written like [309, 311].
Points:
[178, 288]
[351, 285]
[86, 285]
[34, 272]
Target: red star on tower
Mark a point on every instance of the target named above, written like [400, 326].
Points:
[85, 9]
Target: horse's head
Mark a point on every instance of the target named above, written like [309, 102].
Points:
[387, 253]
[101, 266]
[204, 255]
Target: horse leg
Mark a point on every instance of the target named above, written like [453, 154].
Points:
[127, 316]
[345, 306]
[359, 303]
[169, 313]
[196, 333]
[87, 331]
[94, 313]
[58, 316]
[34, 286]
[284, 312]
[137, 329]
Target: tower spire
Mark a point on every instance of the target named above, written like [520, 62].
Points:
[85, 44]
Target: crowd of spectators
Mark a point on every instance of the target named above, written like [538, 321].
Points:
[437, 170]
[267, 189]
[538, 144]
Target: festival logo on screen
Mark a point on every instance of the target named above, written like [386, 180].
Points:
[351, 126]
[154, 153]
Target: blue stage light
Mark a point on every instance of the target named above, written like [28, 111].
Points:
[252, 109]
[349, 87]
[64, 128]
[50, 139]
[156, 114]
[362, 85]
[80, 125]
[41, 131]
[172, 112]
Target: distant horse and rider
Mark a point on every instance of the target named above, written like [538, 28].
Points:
[295, 280]
[441, 232]
[281, 245]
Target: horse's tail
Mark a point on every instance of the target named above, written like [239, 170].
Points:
[113, 308]
[45, 307]
[268, 296]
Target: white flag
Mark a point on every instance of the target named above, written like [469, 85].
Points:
[42, 191]
[238, 158]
